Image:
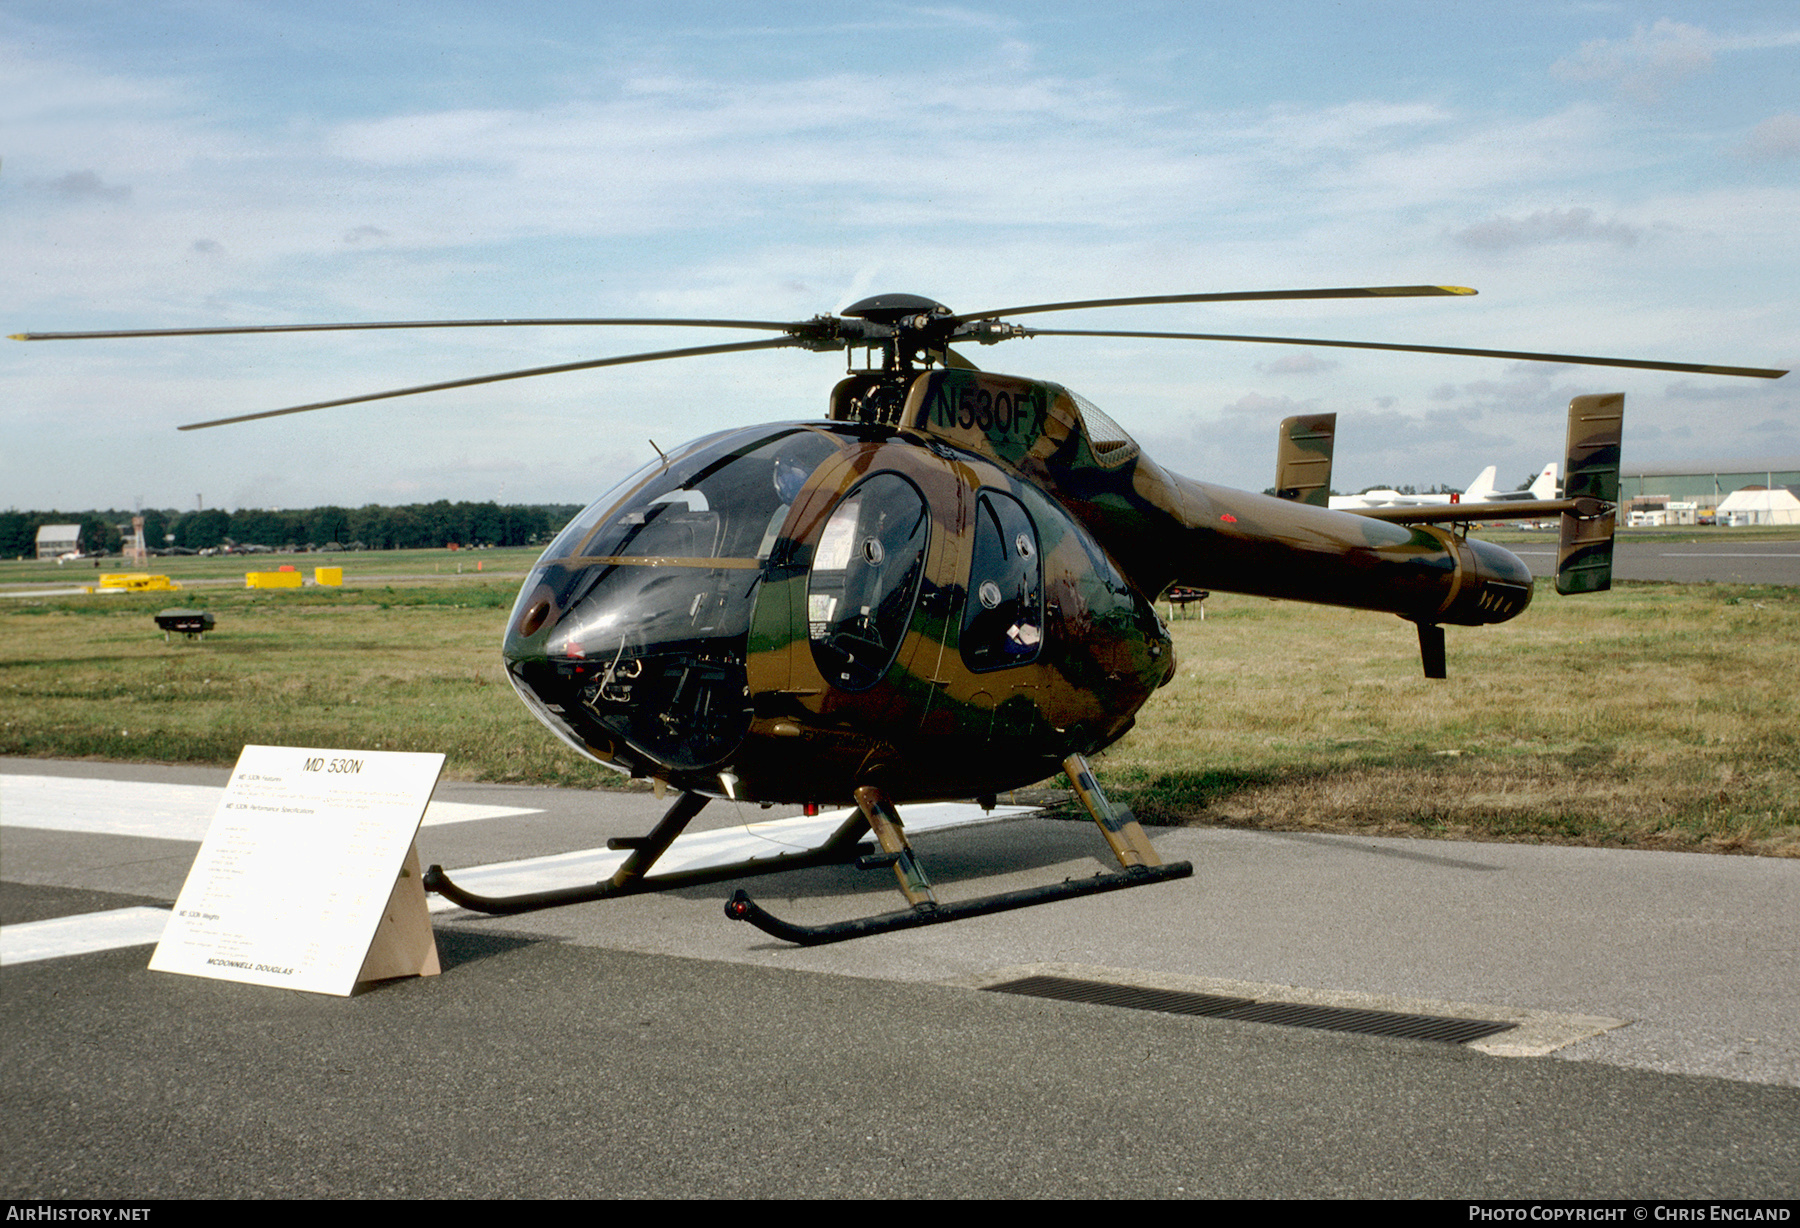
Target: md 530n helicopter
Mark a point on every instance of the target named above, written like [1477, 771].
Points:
[945, 588]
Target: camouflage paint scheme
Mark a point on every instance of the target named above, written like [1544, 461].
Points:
[1164, 529]
[738, 699]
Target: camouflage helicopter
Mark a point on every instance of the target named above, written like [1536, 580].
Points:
[945, 588]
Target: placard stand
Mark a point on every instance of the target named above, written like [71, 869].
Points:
[309, 877]
[404, 944]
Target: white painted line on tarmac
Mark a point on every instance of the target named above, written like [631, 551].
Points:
[156, 811]
[724, 846]
[94, 931]
[183, 812]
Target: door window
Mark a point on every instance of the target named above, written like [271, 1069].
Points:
[1003, 618]
[865, 579]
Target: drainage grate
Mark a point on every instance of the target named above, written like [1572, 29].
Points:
[1288, 1014]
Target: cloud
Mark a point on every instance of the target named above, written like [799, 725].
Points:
[1774, 428]
[1645, 66]
[1298, 364]
[1651, 62]
[1550, 226]
[1684, 390]
[365, 234]
[1776, 138]
[86, 185]
[1257, 404]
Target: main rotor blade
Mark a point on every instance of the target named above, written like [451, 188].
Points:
[774, 343]
[1580, 359]
[764, 325]
[1242, 296]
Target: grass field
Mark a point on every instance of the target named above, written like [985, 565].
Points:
[1653, 716]
[360, 566]
[1656, 715]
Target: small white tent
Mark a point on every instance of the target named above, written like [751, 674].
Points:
[1777, 506]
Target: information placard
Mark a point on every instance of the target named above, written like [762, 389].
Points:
[308, 857]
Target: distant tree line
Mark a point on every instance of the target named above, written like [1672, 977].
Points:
[409, 527]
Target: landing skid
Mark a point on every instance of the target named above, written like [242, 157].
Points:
[742, 908]
[1141, 867]
[874, 813]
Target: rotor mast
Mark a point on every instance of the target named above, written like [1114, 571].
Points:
[911, 332]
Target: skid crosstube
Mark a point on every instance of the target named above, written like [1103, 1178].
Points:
[742, 908]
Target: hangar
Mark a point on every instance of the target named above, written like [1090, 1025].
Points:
[1706, 484]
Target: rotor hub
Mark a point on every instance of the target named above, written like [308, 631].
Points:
[897, 309]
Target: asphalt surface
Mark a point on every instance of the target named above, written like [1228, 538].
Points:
[651, 1047]
[1685, 562]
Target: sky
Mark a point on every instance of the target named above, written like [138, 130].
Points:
[1614, 178]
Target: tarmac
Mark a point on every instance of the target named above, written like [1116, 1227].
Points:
[1719, 561]
[651, 1047]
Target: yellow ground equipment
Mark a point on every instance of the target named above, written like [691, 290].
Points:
[273, 579]
[134, 582]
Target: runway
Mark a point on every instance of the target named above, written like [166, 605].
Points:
[650, 1047]
[1729, 561]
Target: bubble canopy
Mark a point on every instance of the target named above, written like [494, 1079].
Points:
[629, 637]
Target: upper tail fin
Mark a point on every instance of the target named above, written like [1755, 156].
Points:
[1303, 458]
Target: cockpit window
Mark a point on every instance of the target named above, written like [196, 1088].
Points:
[724, 498]
[641, 608]
[865, 578]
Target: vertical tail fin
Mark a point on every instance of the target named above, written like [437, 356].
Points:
[1482, 488]
[1584, 562]
[1303, 458]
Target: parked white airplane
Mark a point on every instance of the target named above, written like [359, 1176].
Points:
[1543, 487]
[1481, 490]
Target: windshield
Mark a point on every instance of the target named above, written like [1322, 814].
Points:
[714, 500]
[633, 628]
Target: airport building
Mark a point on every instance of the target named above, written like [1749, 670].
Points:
[1706, 485]
[56, 540]
[1727, 492]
